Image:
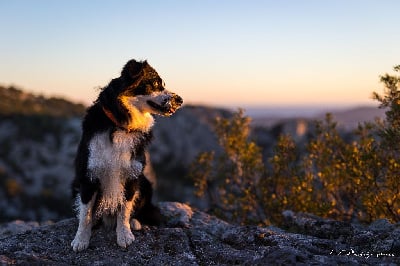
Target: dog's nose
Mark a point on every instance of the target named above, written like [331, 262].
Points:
[178, 99]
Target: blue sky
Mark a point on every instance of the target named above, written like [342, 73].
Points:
[226, 52]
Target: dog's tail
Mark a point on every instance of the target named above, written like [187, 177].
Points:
[150, 215]
[147, 213]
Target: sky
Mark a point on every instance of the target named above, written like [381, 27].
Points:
[215, 52]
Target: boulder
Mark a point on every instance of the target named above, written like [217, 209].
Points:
[191, 237]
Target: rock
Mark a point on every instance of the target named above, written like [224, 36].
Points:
[16, 227]
[313, 225]
[176, 214]
[381, 225]
[191, 237]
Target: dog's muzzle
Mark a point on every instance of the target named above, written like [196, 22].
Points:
[168, 105]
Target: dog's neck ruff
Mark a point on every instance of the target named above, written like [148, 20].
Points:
[131, 127]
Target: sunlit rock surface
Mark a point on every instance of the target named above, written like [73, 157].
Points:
[191, 237]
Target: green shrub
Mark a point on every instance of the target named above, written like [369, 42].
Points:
[230, 180]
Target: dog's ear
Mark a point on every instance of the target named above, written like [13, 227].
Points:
[133, 69]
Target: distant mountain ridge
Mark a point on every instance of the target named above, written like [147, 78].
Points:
[350, 118]
[347, 118]
[15, 101]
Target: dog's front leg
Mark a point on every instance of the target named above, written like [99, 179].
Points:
[124, 233]
[82, 237]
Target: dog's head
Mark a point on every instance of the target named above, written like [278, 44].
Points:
[138, 91]
[145, 90]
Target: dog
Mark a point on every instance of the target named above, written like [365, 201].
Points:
[109, 184]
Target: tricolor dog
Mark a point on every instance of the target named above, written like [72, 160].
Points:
[109, 184]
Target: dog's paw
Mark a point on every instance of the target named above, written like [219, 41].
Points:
[125, 237]
[135, 224]
[80, 243]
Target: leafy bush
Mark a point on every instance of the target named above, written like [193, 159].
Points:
[357, 180]
[230, 180]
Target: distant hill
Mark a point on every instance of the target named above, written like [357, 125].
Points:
[346, 118]
[350, 118]
[14, 101]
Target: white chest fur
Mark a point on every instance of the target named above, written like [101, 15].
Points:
[111, 163]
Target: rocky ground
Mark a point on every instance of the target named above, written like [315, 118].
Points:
[191, 237]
